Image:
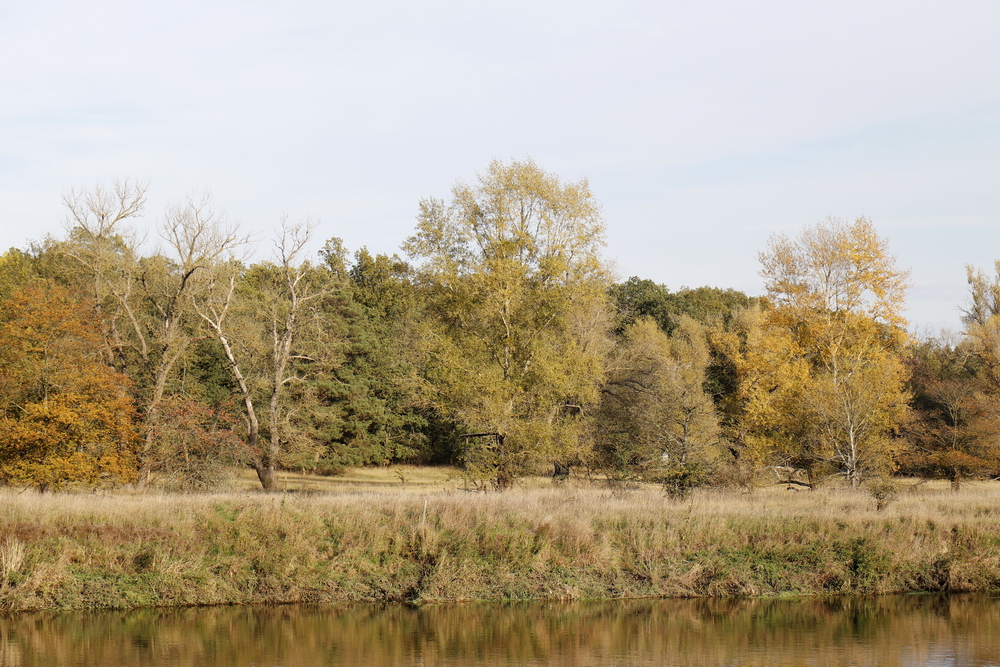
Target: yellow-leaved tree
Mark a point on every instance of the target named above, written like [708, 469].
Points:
[827, 389]
[65, 415]
[516, 288]
[770, 372]
[982, 322]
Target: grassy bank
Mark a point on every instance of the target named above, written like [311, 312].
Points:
[410, 544]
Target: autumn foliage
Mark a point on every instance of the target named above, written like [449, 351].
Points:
[65, 416]
[504, 347]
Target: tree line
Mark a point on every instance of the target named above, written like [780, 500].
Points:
[501, 343]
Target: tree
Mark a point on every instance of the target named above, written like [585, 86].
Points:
[264, 318]
[982, 322]
[760, 415]
[956, 391]
[516, 287]
[852, 411]
[196, 446]
[656, 419]
[836, 268]
[16, 270]
[143, 303]
[65, 416]
[955, 433]
[370, 398]
[636, 298]
[838, 293]
[104, 245]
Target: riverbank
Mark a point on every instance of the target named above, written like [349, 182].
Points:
[78, 551]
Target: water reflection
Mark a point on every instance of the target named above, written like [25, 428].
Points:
[908, 630]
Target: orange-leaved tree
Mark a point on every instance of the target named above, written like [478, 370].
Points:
[65, 416]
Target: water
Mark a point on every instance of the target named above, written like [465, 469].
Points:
[898, 630]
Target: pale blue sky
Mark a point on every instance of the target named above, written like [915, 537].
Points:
[703, 126]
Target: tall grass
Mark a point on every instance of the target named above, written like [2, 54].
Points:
[120, 551]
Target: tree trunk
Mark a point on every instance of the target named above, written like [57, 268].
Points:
[171, 353]
[268, 477]
[152, 417]
[265, 470]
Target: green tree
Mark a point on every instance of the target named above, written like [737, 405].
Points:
[636, 298]
[387, 399]
[656, 419]
[362, 388]
[516, 287]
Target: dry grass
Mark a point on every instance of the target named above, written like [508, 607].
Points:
[402, 478]
[373, 535]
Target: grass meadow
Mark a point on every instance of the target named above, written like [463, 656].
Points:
[422, 535]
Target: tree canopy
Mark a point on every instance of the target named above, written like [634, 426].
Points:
[65, 415]
[500, 343]
[515, 282]
[839, 296]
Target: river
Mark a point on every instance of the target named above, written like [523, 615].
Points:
[925, 630]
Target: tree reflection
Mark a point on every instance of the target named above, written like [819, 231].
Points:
[897, 630]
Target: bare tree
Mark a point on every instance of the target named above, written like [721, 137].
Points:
[259, 316]
[104, 243]
[144, 303]
[197, 238]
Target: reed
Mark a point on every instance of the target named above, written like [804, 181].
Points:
[74, 551]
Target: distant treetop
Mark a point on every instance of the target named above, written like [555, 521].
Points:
[641, 297]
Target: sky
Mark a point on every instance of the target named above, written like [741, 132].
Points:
[702, 127]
